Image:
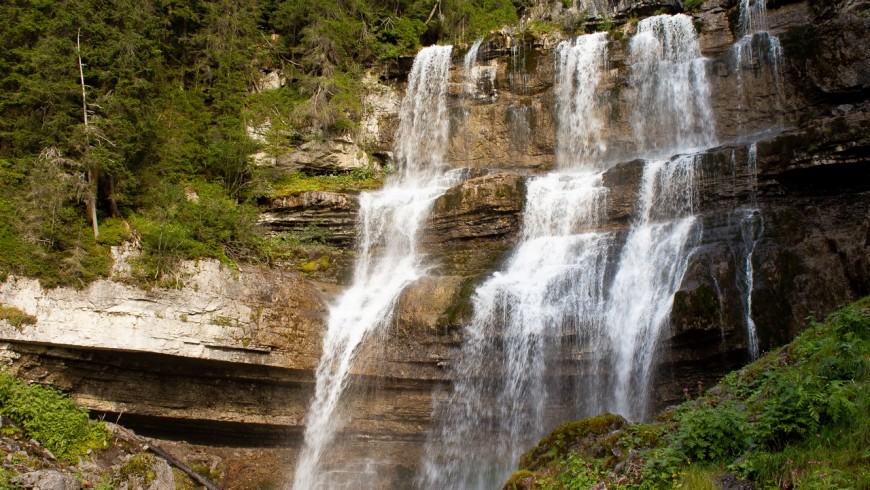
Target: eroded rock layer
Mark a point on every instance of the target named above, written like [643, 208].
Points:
[229, 357]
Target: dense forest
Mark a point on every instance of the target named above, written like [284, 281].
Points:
[126, 119]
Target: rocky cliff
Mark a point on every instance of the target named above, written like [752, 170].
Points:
[229, 357]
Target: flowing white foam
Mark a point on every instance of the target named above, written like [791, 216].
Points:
[672, 110]
[651, 267]
[580, 119]
[388, 258]
[551, 288]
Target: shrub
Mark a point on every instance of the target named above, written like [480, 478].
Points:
[51, 418]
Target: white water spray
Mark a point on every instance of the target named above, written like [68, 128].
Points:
[651, 267]
[672, 110]
[579, 134]
[388, 259]
[551, 288]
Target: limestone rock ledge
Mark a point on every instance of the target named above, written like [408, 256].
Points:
[231, 349]
[252, 316]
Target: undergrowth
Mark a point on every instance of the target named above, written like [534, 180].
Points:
[52, 418]
[356, 180]
[796, 418]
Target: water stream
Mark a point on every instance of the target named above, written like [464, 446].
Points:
[564, 298]
[751, 229]
[387, 256]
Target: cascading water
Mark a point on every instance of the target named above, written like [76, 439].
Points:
[757, 47]
[751, 229]
[552, 286]
[551, 306]
[388, 259]
[579, 64]
[672, 109]
[651, 268]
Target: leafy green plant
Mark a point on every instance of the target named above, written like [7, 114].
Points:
[51, 418]
[692, 5]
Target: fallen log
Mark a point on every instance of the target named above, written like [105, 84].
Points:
[148, 445]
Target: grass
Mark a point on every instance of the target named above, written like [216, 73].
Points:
[16, 317]
[796, 418]
[354, 181]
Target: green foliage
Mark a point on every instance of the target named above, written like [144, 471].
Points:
[51, 418]
[692, 5]
[711, 433]
[140, 467]
[356, 180]
[795, 418]
[171, 88]
[16, 317]
[114, 231]
[559, 443]
[193, 221]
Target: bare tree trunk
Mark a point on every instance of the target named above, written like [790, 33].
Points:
[432, 13]
[91, 200]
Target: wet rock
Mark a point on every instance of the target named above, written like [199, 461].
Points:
[425, 303]
[486, 206]
[832, 50]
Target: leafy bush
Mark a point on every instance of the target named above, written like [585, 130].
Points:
[51, 418]
[194, 221]
[692, 5]
[708, 433]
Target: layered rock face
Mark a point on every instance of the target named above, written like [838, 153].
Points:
[230, 357]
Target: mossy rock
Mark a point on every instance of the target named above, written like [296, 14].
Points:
[580, 436]
[520, 480]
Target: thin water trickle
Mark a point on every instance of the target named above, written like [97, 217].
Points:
[751, 229]
[388, 258]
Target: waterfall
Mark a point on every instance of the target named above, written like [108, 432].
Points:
[552, 287]
[651, 268]
[672, 109]
[388, 259]
[564, 330]
[753, 16]
[579, 64]
[751, 229]
[756, 48]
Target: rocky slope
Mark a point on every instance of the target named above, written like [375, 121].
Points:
[229, 357]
